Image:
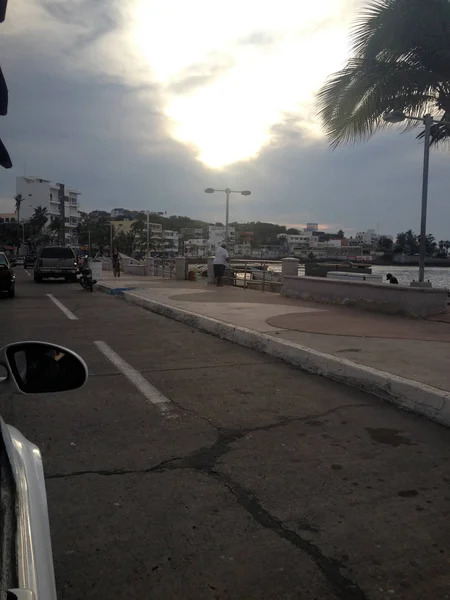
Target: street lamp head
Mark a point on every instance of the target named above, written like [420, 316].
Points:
[209, 190]
[246, 193]
[395, 116]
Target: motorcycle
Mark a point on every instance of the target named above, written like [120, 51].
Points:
[85, 277]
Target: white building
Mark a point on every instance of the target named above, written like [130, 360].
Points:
[196, 247]
[171, 240]
[297, 242]
[217, 236]
[328, 244]
[369, 237]
[42, 192]
[117, 213]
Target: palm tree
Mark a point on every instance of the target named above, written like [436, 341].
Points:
[39, 219]
[19, 199]
[401, 61]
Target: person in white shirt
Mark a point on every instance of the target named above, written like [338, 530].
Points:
[221, 261]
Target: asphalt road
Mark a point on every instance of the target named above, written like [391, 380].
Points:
[253, 481]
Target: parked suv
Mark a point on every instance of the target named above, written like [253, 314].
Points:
[55, 261]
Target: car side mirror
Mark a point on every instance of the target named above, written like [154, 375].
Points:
[41, 368]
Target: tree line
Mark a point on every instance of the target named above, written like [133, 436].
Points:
[407, 242]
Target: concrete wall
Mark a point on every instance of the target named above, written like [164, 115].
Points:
[392, 299]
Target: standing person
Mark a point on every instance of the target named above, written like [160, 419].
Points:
[220, 263]
[391, 278]
[116, 262]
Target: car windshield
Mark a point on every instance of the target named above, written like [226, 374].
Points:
[3, 259]
[57, 253]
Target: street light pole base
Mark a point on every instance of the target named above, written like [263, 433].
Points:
[421, 284]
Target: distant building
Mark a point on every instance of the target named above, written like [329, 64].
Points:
[296, 243]
[42, 192]
[192, 233]
[243, 242]
[368, 238]
[126, 225]
[196, 247]
[171, 240]
[217, 236]
[8, 217]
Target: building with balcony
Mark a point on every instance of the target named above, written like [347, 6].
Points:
[192, 233]
[42, 192]
[171, 240]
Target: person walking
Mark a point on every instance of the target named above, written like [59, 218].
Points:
[221, 260]
[116, 262]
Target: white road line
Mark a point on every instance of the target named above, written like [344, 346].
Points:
[151, 394]
[29, 274]
[64, 309]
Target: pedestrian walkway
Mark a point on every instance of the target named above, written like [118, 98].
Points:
[418, 350]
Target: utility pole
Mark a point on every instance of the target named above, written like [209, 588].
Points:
[62, 215]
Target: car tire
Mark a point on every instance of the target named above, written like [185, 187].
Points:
[37, 278]
[12, 292]
[74, 279]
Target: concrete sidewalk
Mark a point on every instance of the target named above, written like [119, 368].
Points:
[417, 350]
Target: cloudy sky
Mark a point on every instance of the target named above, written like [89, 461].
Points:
[144, 104]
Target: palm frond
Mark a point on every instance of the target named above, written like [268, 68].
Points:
[353, 101]
[392, 29]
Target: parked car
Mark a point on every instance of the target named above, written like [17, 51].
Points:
[7, 277]
[26, 562]
[55, 261]
[29, 261]
[20, 260]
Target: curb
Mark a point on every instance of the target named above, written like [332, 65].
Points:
[408, 394]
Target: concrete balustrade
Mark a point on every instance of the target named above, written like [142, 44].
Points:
[391, 299]
[211, 270]
[289, 267]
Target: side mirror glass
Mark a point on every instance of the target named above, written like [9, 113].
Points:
[39, 368]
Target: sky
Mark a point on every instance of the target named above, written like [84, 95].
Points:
[143, 104]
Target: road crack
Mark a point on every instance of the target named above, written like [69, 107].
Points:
[345, 588]
[205, 460]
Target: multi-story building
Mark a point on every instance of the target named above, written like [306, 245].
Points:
[171, 240]
[297, 242]
[368, 238]
[243, 242]
[42, 192]
[196, 247]
[217, 236]
[192, 233]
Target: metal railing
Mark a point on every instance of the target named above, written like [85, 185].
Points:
[253, 274]
[164, 267]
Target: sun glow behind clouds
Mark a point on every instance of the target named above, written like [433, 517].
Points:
[274, 57]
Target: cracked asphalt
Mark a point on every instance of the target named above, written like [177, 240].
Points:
[262, 482]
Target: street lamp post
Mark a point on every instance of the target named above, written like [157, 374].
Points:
[227, 206]
[398, 117]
